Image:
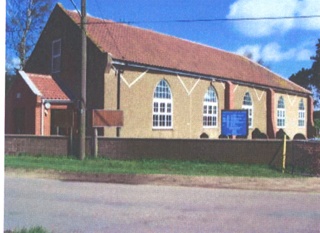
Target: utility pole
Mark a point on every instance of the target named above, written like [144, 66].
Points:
[118, 95]
[83, 98]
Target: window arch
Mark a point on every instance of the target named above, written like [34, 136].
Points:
[162, 106]
[247, 104]
[281, 113]
[210, 108]
[301, 114]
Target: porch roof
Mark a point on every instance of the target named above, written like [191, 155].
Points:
[44, 86]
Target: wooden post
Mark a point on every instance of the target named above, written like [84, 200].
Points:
[83, 100]
[118, 96]
[284, 153]
[95, 142]
[70, 141]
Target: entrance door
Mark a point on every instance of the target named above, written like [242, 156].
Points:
[61, 121]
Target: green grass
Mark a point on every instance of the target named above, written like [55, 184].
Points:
[108, 166]
[30, 230]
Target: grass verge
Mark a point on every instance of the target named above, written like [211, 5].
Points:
[30, 230]
[108, 166]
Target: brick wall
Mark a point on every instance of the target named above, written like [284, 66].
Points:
[306, 155]
[230, 151]
[36, 145]
[299, 153]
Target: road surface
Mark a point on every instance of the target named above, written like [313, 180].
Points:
[61, 206]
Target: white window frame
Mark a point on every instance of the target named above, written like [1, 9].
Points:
[162, 107]
[301, 115]
[281, 113]
[56, 56]
[247, 104]
[210, 109]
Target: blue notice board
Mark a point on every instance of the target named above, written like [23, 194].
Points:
[234, 122]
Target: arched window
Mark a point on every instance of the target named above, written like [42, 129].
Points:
[301, 114]
[162, 106]
[281, 113]
[247, 104]
[210, 108]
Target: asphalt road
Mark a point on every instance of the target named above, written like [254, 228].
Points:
[97, 207]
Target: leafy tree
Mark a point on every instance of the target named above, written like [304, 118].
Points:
[302, 78]
[315, 69]
[310, 78]
[317, 124]
[24, 22]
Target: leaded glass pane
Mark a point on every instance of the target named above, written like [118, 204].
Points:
[247, 99]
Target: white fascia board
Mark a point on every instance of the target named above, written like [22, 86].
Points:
[28, 81]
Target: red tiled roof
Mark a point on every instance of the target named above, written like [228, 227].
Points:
[48, 87]
[147, 47]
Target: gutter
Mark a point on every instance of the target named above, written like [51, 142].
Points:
[42, 118]
[57, 101]
[206, 77]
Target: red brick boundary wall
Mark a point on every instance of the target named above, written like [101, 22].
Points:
[36, 145]
[269, 152]
[307, 155]
[230, 151]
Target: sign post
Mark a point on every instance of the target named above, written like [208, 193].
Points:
[234, 123]
[104, 118]
[284, 153]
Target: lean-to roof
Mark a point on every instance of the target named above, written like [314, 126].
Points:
[44, 86]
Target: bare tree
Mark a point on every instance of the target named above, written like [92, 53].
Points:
[24, 22]
[260, 61]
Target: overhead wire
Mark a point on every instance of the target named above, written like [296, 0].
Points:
[76, 8]
[108, 30]
[196, 20]
[212, 20]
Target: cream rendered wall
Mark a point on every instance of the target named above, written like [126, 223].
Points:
[292, 107]
[258, 97]
[110, 98]
[137, 89]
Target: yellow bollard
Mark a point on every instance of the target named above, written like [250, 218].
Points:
[284, 153]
